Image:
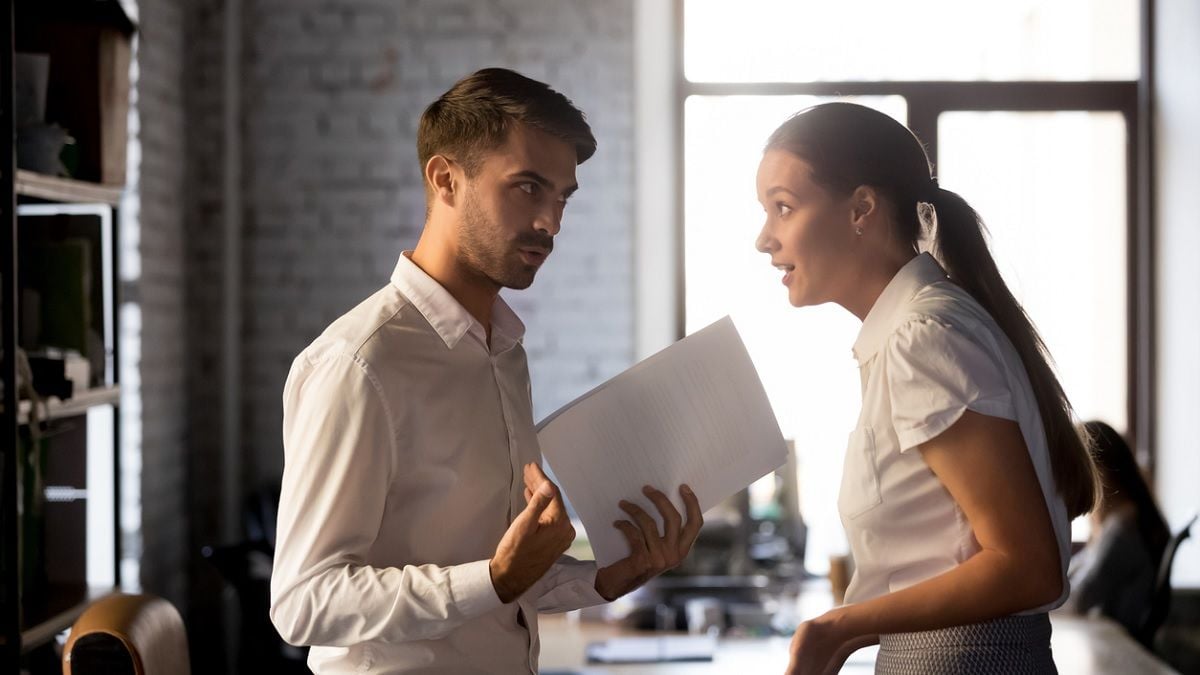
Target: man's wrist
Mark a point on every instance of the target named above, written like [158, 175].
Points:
[599, 586]
[503, 592]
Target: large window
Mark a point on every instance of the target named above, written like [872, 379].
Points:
[1029, 110]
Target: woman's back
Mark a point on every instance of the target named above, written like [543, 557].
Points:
[1115, 573]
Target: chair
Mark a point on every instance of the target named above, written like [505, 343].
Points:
[127, 635]
[1160, 602]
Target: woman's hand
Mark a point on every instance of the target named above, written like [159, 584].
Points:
[820, 647]
[815, 646]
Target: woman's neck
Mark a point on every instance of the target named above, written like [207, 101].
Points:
[873, 276]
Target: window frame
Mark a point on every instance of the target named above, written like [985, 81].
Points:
[926, 101]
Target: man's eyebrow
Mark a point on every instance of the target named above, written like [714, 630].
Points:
[545, 182]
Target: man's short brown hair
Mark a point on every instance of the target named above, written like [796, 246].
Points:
[475, 115]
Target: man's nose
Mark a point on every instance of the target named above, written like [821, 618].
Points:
[550, 223]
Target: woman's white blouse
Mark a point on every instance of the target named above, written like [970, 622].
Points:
[927, 352]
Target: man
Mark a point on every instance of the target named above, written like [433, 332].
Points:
[417, 532]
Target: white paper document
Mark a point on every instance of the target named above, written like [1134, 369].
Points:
[693, 413]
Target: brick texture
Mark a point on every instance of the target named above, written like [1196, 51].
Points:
[331, 92]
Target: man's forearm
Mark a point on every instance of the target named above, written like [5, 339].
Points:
[345, 605]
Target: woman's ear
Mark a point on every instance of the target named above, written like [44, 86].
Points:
[440, 176]
[864, 206]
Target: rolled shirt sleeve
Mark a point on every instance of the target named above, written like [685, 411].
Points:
[569, 584]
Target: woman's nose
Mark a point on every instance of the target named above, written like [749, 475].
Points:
[765, 243]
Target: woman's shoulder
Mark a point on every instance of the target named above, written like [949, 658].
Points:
[948, 303]
[944, 324]
[1121, 517]
[937, 311]
[1119, 535]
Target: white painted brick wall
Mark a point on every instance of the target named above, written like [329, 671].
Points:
[332, 93]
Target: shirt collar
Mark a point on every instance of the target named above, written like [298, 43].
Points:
[889, 307]
[449, 318]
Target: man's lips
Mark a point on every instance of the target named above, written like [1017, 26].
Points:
[534, 255]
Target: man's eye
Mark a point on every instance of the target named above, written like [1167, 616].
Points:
[528, 188]
[784, 210]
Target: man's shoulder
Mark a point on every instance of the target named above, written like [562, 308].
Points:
[383, 316]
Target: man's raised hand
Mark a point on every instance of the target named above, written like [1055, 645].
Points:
[535, 539]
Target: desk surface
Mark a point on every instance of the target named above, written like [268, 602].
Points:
[1081, 647]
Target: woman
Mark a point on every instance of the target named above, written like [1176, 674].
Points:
[966, 468]
[1114, 574]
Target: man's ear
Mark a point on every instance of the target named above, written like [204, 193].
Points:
[864, 206]
[442, 179]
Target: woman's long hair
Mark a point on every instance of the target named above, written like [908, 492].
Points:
[849, 145]
[1120, 475]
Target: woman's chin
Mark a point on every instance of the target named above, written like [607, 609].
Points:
[803, 297]
[797, 299]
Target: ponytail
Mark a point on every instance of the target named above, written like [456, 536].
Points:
[960, 245]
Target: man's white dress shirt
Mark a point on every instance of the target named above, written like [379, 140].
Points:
[927, 352]
[404, 439]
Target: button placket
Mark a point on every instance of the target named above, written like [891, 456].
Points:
[515, 472]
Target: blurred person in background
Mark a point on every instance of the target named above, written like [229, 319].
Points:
[1114, 573]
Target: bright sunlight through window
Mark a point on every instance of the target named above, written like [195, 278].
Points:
[1050, 186]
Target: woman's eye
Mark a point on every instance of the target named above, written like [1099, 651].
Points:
[783, 209]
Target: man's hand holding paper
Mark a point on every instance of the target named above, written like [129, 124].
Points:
[694, 414]
[651, 554]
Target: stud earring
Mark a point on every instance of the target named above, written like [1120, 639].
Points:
[858, 231]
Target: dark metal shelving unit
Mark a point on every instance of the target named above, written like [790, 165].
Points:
[30, 624]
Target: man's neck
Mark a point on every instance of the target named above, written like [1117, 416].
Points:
[475, 293]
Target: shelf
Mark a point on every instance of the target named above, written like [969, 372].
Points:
[78, 404]
[56, 189]
[120, 14]
[68, 603]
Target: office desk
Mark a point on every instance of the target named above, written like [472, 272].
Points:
[1081, 647]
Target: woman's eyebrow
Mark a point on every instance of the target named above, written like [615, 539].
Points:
[779, 188]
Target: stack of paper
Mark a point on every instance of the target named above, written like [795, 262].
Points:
[694, 413]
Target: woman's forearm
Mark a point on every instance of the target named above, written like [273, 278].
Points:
[989, 585]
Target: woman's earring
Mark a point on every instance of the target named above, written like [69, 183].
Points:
[858, 231]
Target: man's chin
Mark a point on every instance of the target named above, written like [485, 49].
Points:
[519, 281]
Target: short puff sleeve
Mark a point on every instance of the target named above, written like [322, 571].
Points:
[936, 371]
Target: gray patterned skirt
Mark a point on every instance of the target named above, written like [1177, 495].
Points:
[1013, 645]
